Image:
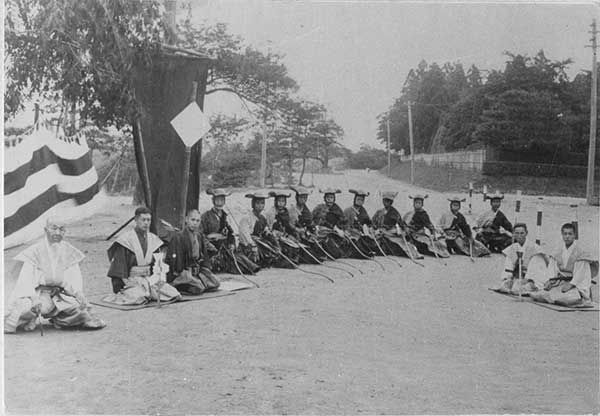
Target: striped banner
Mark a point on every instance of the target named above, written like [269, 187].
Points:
[46, 176]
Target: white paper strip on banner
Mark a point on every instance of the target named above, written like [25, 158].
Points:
[191, 124]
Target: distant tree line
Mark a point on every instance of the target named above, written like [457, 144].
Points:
[530, 111]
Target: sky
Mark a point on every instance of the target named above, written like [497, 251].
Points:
[354, 56]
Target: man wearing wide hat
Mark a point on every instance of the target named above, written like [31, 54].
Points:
[494, 230]
[422, 231]
[359, 226]
[278, 219]
[391, 229]
[302, 219]
[300, 215]
[330, 219]
[256, 240]
[459, 238]
[216, 228]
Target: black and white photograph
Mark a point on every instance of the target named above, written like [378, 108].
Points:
[327, 207]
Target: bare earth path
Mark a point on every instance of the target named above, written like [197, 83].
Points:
[408, 340]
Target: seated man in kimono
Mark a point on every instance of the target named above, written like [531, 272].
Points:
[187, 258]
[137, 270]
[570, 273]
[50, 285]
[216, 228]
[256, 239]
[301, 218]
[392, 231]
[524, 265]
[459, 238]
[278, 220]
[330, 220]
[421, 229]
[493, 228]
[359, 227]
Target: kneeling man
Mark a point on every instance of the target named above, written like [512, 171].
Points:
[137, 270]
[525, 266]
[50, 285]
[187, 258]
[570, 273]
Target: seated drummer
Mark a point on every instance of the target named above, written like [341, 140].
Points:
[494, 230]
[570, 272]
[216, 228]
[422, 231]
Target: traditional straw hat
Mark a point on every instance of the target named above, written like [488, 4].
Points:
[218, 192]
[419, 196]
[389, 195]
[456, 198]
[278, 193]
[300, 190]
[359, 192]
[330, 191]
[495, 195]
[258, 195]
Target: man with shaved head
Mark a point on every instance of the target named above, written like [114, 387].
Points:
[50, 285]
[187, 257]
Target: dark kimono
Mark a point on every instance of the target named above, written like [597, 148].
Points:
[392, 243]
[418, 222]
[364, 245]
[255, 233]
[489, 234]
[302, 219]
[189, 268]
[122, 258]
[215, 227]
[327, 218]
[285, 234]
[458, 236]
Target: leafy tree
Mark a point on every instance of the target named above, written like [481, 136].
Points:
[367, 157]
[83, 49]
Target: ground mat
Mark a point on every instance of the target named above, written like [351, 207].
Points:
[593, 307]
[185, 298]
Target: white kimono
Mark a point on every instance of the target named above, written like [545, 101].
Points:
[50, 276]
[534, 266]
[568, 264]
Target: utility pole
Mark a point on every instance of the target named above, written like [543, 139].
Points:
[593, 118]
[389, 150]
[263, 156]
[412, 145]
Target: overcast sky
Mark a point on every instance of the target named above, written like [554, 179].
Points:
[354, 56]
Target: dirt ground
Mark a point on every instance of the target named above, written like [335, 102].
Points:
[407, 340]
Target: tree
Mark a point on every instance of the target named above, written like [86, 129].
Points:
[84, 50]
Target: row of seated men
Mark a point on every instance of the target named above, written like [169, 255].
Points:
[143, 267]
